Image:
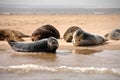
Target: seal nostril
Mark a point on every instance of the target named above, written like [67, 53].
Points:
[54, 42]
[32, 39]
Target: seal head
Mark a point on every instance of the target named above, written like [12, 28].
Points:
[68, 35]
[52, 44]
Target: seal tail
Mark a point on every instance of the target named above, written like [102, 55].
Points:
[10, 41]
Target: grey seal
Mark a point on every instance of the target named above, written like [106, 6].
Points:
[113, 35]
[45, 31]
[82, 38]
[44, 45]
[13, 34]
[68, 35]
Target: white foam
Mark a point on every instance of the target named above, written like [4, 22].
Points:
[31, 67]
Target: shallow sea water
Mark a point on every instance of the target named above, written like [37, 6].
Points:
[80, 64]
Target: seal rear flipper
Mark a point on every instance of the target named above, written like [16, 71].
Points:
[12, 42]
[19, 46]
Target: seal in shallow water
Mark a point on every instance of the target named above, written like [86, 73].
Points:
[13, 34]
[113, 35]
[45, 31]
[82, 38]
[44, 45]
[68, 35]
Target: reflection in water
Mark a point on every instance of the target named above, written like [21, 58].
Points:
[2, 50]
[25, 68]
[85, 51]
[40, 55]
[65, 65]
[64, 52]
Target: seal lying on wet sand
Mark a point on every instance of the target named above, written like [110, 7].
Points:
[44, 45]
[45, 31]
[82, 38]
[13, 34]
[113, 35]
[68, 35]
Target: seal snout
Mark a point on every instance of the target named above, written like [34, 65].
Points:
[54, 42]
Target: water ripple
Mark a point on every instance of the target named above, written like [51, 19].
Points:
[31, 67]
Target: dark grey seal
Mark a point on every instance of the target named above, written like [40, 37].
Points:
[45, 31]
[113, 35]
[82, 38]
[44, 45]
[68, 35]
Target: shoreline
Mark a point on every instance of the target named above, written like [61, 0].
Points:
[96, 24]
[109, 45]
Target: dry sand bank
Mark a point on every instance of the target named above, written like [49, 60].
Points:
[97, 24]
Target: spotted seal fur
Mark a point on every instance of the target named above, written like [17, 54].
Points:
[82, 38]
[113, 35]
[44, 45]
[13, 34]
[68, 35]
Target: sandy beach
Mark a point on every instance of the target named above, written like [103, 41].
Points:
[96, 24]
[70, 62]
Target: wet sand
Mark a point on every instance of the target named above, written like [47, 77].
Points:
[64, 65]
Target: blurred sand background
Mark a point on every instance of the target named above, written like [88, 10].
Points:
[96, 24]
